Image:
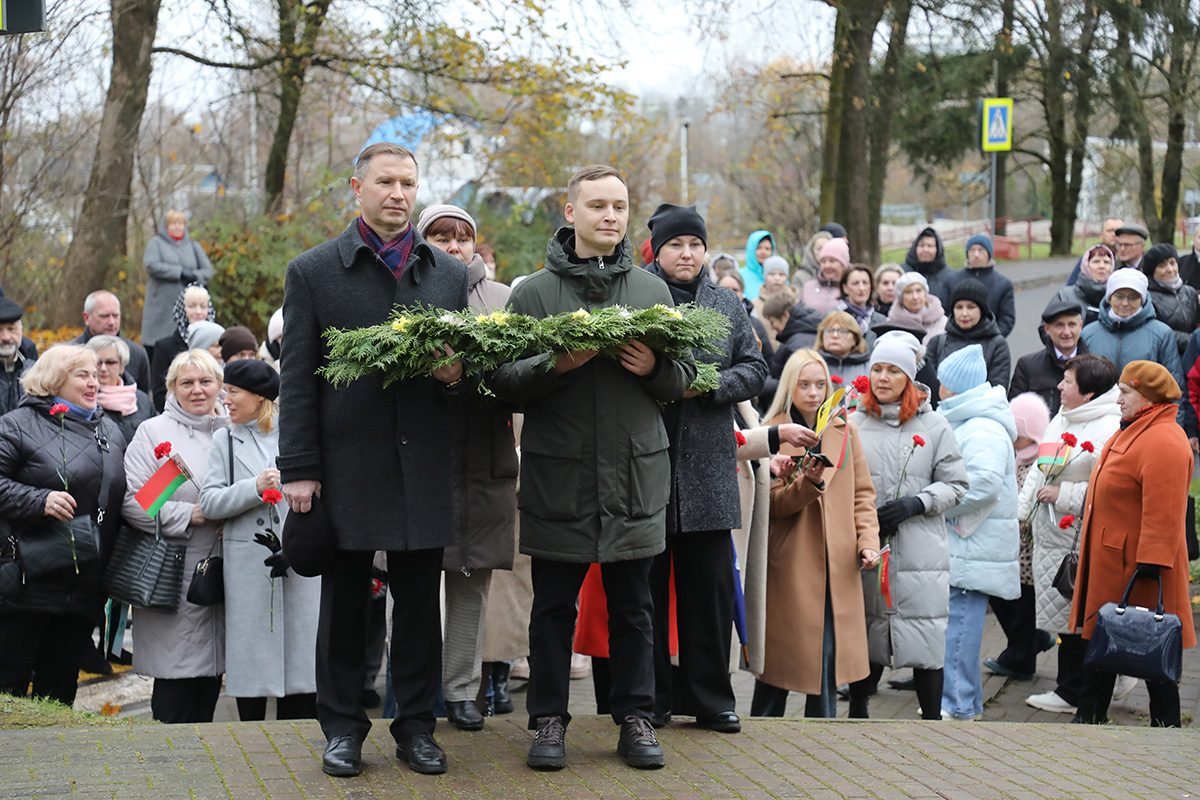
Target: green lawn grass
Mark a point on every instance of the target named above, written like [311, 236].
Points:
[21, 712]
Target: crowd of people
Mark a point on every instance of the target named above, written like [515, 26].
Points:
[596, 503]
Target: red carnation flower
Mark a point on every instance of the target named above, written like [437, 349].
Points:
[1066, 521]
[1069, 439]
[272, 496]
[1088, 447]
[918, 441]
[836, 379]
[58, 408]
[741, 439]
[861, 384]
[163, 450]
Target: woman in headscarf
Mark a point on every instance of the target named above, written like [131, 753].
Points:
[193, 304]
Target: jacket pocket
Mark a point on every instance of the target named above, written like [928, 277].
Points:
[649, 473]
[1112, 539]
[550, 480]
[503, 446]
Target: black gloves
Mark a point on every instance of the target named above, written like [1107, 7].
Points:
[1150, 571]
[277, 561]
[893, 512]
[187, 277]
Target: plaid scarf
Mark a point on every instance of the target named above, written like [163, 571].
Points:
[394, 253]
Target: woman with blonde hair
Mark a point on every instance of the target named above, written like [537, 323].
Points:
[183, 651]
[55, 437]
[271, 612]
[823, 532]
[843, 346]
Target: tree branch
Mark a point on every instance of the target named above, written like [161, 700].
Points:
[248, 66]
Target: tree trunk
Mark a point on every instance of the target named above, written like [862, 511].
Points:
[297, 41]
[850, 205]
[1062, 212]
[1172, 172]
[833, 120]
[886, 91]
[100, 231]
[1081, 122]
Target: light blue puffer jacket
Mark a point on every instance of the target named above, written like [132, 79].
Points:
[983, 529]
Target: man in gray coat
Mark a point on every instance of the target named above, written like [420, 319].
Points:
[379, 459]
[595, 472]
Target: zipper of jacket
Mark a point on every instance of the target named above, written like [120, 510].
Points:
[600, 260]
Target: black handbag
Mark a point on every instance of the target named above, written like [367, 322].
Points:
[1136, 641]
[11, 581]
[1064, 579]
[51, 546]
[145, 571]
[208, 581]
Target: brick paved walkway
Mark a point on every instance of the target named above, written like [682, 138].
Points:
[771, 759]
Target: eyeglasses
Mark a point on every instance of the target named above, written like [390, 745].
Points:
[839, 332]
[1124, 299]
[107, 363]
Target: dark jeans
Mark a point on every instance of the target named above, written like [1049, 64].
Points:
[704, 600]
[415, 578]
[771, 701]
[1097, 694]
[1018, 620]
[552, 629]
[179, 700]
[292, 706]
[44, 648]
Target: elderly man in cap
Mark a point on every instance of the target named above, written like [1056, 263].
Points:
[102, 317]
[1131, 244]
[1041, 372]
[13, 356]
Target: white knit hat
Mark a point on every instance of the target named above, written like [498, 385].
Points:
[899, 349]
[437, 211]
[908, 279]
[1127, 278]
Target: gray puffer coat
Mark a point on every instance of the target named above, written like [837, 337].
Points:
[31, 460]
[166, 260]
[191, 642]
[912, 633]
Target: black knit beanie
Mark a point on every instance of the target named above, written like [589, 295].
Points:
[973, 290]
[669, 221]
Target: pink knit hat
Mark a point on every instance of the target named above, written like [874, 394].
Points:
[836, 248]
[1032, 417]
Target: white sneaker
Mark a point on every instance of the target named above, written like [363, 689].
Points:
[581, 666]
[1123, 687]
[1050, 701]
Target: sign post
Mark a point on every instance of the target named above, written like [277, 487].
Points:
[22, 16]
[995, 135]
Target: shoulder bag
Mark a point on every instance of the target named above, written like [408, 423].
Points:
[1136, 641]
[145, 571]
[208, 580]
[1064, 579]
[51, 546]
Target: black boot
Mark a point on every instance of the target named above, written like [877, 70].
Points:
[860, 691]
[928, 683]
[768, 700]
[500, 697]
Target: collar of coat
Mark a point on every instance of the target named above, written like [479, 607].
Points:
[423, 255]
[1157, 414]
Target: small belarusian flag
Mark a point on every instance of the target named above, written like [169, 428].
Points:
[162, 484]
[1052, 454]
[885, 585]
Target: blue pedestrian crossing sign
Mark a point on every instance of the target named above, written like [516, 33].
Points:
[995, 124]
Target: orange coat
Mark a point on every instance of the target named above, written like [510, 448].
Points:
[1134, 514]
[815, 533]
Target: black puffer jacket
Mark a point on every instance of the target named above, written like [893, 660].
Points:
[1179, 308]
[799, 332]
[31, 459]
[985, 333]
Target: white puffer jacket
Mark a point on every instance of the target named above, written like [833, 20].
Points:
[1095, 421]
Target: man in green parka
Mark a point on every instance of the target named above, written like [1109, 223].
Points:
[595, 471]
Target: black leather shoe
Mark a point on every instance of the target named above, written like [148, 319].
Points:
[903, 684]
[724, 722]
[343, 757]
[464, 715]
[639, 746]
[549, 748]
[422, 754]
[661, 720]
